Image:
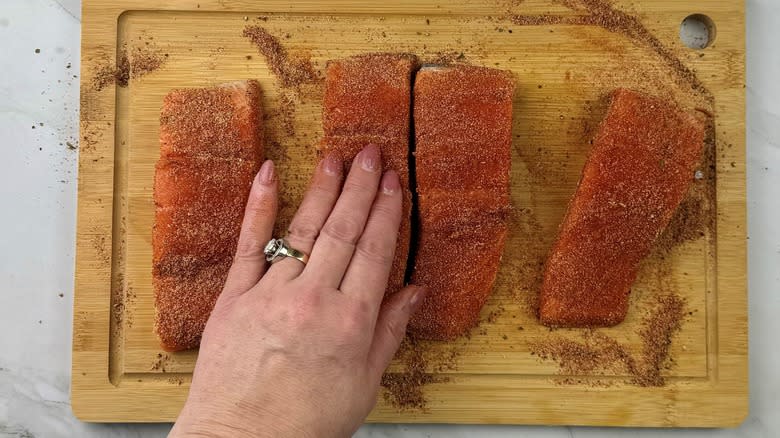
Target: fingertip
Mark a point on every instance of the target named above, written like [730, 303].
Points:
[267, 174]
[369, 158]
[332, 165]
[391, 183]
[417, 295]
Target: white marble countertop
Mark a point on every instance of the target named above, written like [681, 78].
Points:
[39, 116]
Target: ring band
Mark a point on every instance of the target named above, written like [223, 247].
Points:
[277, 249]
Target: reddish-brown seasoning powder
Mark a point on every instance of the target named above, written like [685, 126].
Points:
[160, 362]
[129, 65]
[600, 354]
[595, 354]
[690, 221]
[286, 110]
[291, 71]
[405, 390]
[603, 14]
[445, 57]
[657, 332]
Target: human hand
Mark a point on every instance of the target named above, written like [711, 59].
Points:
[299, 350]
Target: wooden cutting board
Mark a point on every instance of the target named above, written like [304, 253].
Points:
[566, 57]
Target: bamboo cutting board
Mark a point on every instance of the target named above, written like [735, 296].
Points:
[566, 57]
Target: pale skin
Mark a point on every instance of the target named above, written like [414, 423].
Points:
[294, 350]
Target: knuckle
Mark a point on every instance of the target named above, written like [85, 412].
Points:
[394, 328]
[377, 249]
[304, 229]
[355, 187]
[260, 203]
[321, 191]
[343, 229]
[388, 211]
[250, 249]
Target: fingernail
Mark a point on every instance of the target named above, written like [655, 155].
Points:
[390, 183]
[332, 165]
[417, 298]
[267, 174]
[369, 158]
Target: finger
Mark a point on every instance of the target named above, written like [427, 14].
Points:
[391, 327]
[334, 247]
[259, 216]
[314, 210]
[367, 274]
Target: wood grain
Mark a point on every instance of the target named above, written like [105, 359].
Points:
[562, 70]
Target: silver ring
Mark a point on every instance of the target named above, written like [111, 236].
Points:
[277, 249]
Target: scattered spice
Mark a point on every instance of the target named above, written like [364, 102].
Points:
[689, 222]
[130, 64]
[495, 314]
[600, 354]
[99, 244]
[521, 271]
[291, 71]
[160, 362]
[286, 110]
[445, 57]
[603, 14]
[405, 390]
[130, 298]
[657, 332]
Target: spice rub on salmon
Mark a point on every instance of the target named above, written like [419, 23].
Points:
[463, 133]
[210, 149]
[368, 101]
[639, 169]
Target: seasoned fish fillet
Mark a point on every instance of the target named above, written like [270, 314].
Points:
[463, 132]
[640, 167]
[367, 100]
[210, 150]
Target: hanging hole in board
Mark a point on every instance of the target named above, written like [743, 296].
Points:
[697, 31]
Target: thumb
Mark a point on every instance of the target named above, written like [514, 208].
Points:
[391, 326]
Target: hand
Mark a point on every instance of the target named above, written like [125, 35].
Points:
[299, 350]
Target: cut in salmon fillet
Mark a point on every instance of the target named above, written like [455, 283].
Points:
[463, 133]
[367, 100]
[640, 167]
[210, 149]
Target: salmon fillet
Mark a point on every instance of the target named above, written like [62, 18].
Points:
[638, 171]
[463, 132]
[210, 150]
[367, 100]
